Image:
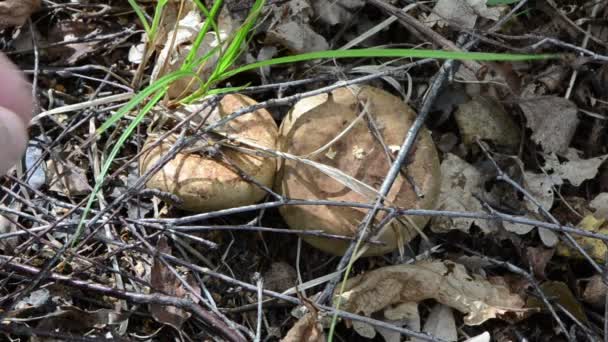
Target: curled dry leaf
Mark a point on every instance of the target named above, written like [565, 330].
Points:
[16, 12]
[306, 329]
[553, 121]
[445, 281]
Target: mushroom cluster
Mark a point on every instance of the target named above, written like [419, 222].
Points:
[356, 129]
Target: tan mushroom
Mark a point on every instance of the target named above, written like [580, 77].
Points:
[317, 128]
[204, 183]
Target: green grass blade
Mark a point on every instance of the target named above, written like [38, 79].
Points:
[135, 101]
[209, 22]
[113, 153]
[141, 15]
[394, 53]
[158, 13]
[236, 45]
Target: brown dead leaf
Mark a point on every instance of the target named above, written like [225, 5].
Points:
[164, 281]
[179, 42]
[538, 258]
[16, 12]
[69, 180]
[306, 329]
[445, 281]
[280, 277]
[595, 292]
[559, 292]
[553, 121]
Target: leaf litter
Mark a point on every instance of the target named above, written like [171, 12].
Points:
[546, 117]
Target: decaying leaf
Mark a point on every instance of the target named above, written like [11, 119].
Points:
[69, 180]
[178, 45]
[595, 292]
[16, 12]
[445, 281]
[306, 329]
[540, 186]
[594, 247]
[70, 319]
[296, 37]
[336, 11]
[462, 13]
[574, 170]
[486, 119]
[7, 225]
[459, 181]
[441, 323]
[553, 121]
[280, 277]
[537, 258]
[600, 204]
[559, 292]
[164, 281]
[73, 40]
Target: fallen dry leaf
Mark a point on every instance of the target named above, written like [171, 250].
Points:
[538, 258]
[553, 121]
[459, 181]
[69, 180]
[164, 281]
[574, 170]
[16, 12]
[179, 43]
[594, 247]
[336, 11]
[296, 37]
[462, 13]
[441, 323]
[600, 205]
[595, 292]
[280, 277]
[306, 329]
[445, 281]
[559, 292]
[540, 186]
[486, 119]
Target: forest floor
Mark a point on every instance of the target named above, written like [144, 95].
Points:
[513, 246]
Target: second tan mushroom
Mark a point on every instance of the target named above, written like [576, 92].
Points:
[205, 184]
[331, 130]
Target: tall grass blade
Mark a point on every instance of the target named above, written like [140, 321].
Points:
[110, 159]
[394, 53]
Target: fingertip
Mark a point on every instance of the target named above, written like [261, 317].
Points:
[15, 92]
[13, 139]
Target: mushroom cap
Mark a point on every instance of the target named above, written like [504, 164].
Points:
[314, 122]
[204, 183]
